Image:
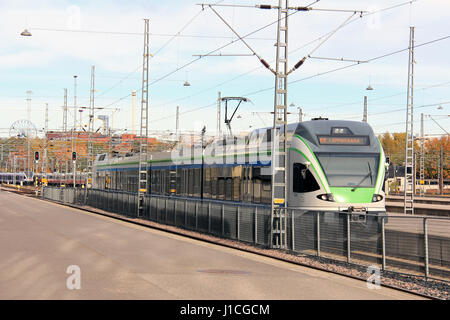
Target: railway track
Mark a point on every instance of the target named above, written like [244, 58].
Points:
[25, 190]
[444, 200]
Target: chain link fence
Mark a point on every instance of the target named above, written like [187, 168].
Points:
[405, 244]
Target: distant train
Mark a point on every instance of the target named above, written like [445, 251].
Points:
[58, 179]
[332, 165]
[21, 178]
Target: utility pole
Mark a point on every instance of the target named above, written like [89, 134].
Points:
[29, 92]
[219, 130]
[74, 145]
[1, 159]
[90, 160]
[133, 112]
[14, 169]
[408, 206]
[177, 123]
[45, 142]
[143, 146]
[278, 141]
[365, 110]
[441, 171]
[66, 139]
[422, 157]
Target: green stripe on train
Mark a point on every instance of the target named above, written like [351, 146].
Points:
[345, 194]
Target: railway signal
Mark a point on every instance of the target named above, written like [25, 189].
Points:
[74, 156]
[36, 156]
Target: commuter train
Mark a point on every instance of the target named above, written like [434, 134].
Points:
[59, 178]
[332, 165]
[21, 178]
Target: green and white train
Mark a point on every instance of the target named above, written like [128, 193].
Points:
[333, 165]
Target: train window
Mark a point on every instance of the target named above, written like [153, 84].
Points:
[197, 181]
[350, 169]
[166, 181]
[190, 177]
[248, 185]
[213, 183]
[256, 190]
[303, 179]
[186, 182]
[228, 188]
[237, 189]
[207, 183]
[158, 181]
[221, 188]
[178, 177]
[266, 188]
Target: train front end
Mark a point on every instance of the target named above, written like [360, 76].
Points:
[337, 166]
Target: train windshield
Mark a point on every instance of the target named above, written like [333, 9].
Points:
[357, 170]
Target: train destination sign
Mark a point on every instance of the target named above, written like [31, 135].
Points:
[349, 141]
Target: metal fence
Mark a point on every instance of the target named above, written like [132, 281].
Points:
[407, 244]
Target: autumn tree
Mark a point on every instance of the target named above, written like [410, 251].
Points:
[394, 147]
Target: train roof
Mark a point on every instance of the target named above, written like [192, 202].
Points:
[310, 130]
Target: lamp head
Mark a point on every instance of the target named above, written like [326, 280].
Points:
[26, 33]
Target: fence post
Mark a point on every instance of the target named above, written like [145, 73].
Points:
[425, 234]
[238, 222]
[292, 229]
[318, 233]
[256, 225]
[165, 208]
[348, 237]
[185, 214]
[157, 209]
[175, 212]
[383, 243]
[122, 199]
[196, 215]
[223, 219]
[209, 217]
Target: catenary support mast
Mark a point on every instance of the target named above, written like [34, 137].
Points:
[408, 207]
[143, 147]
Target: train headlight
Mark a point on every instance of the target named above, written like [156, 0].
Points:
[377, 198]
[326, 197]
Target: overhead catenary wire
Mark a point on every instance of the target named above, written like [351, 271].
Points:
[384, 97]
[403, 109]
[352, 65]
[290, 52]
[325, 72]
[395, 123]
[198, 58]
[439, 125]
[316, 40]
[246, 36]
[154, 54]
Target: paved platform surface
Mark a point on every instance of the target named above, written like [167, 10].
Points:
[39, 240]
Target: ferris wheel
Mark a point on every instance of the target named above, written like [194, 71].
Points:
[23, 129]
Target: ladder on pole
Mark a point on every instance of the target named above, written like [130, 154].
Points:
[90, 160]
[279, 143]
[143, 146]
[66, 138]
[408, 207]
[422, 157]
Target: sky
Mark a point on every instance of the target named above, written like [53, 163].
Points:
[68, 37]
